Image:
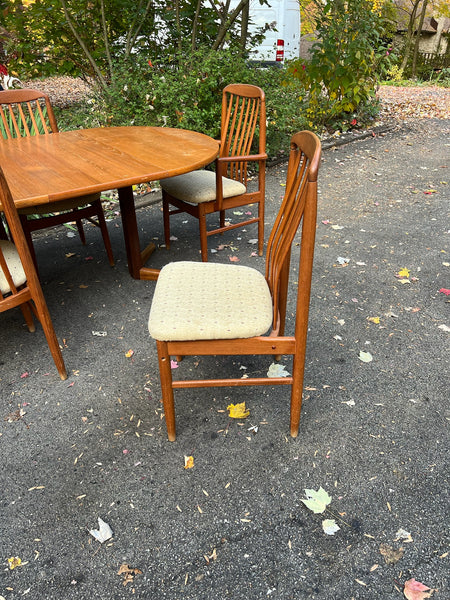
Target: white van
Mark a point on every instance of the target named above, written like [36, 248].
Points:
[280, 44]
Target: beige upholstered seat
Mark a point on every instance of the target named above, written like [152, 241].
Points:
[207, 301]
[200, 186]
[14, 266]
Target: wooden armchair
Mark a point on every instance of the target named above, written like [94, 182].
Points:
[222, 309]
[19, 283]
[29, 112]
[201, 193]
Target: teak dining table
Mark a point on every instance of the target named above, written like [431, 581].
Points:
[48, 168]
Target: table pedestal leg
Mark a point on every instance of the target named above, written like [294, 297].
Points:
[135, 257]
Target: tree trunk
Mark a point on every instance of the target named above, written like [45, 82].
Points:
[417, 42]
[194, 26]
[244, 26]
[226, 24]
[410, 34]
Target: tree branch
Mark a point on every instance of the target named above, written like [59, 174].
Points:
[89, 56]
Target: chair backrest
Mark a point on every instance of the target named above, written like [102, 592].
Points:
[17, 236]
[19, 270]
[299, 202]
[24, 113]
[243, 117]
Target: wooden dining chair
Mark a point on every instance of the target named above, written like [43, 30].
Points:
[224, 309]
[19, 283]
[26, 113]
[202, 192]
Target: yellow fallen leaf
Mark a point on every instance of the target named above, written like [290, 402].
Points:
[238, 411]
[403, 272]
[129, 354]
[14, 562]
[375, 320]
[188, 462]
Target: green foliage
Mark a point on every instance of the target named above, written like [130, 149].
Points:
[341, 76]
[89, 37]
[189, 96]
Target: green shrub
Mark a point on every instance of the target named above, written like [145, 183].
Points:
[341, 75]
[186, 93]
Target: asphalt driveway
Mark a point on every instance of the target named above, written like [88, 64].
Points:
[373, 434]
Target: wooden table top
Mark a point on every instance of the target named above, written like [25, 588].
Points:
[47, 168]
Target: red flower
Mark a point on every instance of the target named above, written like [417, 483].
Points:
[353, 122]
[3, 70]
[150, 62]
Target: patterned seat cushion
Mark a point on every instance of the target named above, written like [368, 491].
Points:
[14, 265]
[200, 186]
[204, 301]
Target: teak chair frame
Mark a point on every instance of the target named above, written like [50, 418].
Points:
[26, 113]
[299, 204]
[29, 297]
[243, 116]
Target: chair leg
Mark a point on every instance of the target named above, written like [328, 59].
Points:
[167, 389]
[3, 234]
[81, 231]
[222, 218]
[50, 335]
[28, 316]
[105, 234]
[203, 236]
[298, 371]
[261, 228]
[166, 220]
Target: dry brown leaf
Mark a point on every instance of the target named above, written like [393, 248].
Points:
[390, 555]
[128, 573]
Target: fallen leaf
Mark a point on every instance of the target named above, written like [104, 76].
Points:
[414, 590]
[233, 259]
[330, 526]
[188, 462]
[390, 555]
[403, 272]
[238, 411]
[444, 291]
[444, 327]
[14, 562]
[173, 364]
[277, 370]
[375, 320]
[316, 501]
[103, 533]
[128, 573]
[100, 333]
[365, 357]
[129, 354]
[403, 535]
